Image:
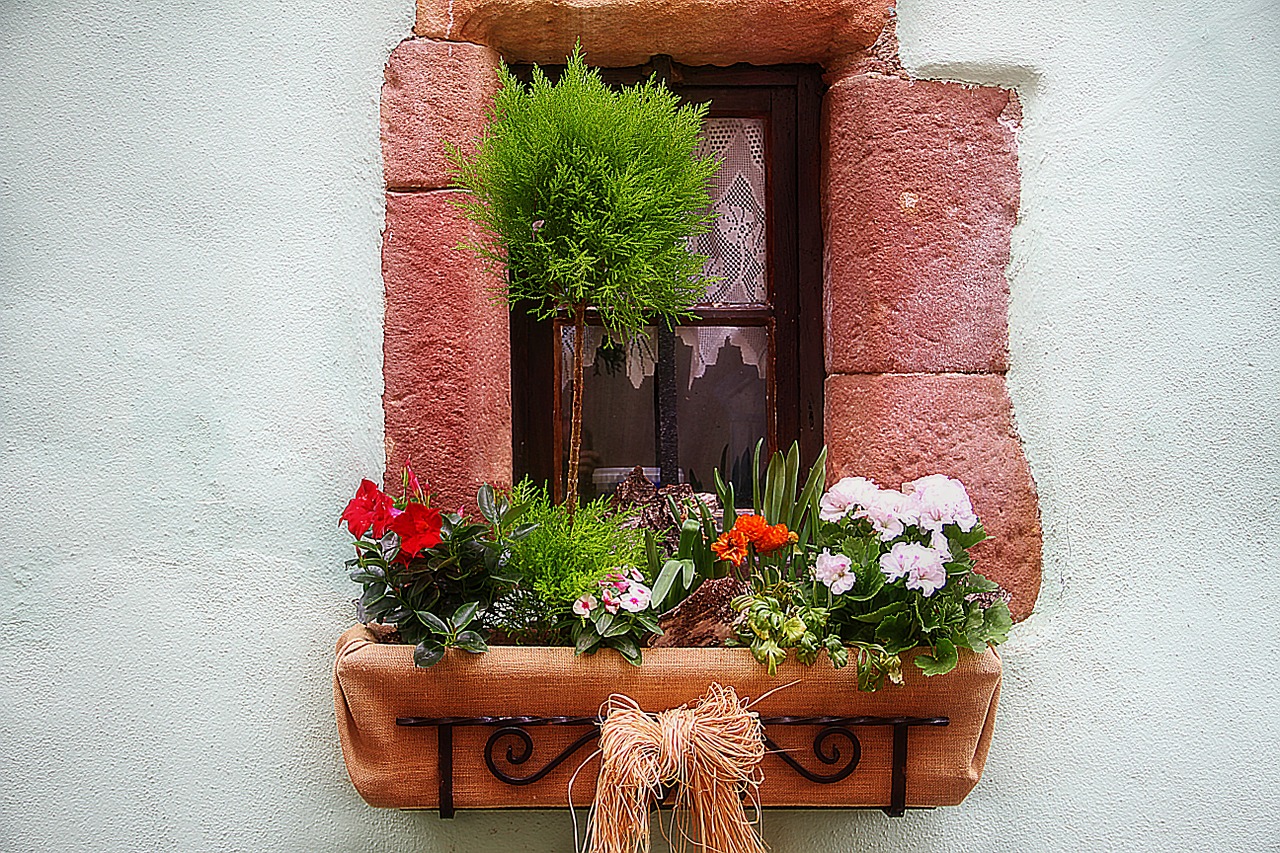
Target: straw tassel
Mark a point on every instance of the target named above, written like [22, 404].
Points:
[709, 753]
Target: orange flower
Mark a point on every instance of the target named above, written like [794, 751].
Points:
[752, 526]
[775, 537]
[731, 546]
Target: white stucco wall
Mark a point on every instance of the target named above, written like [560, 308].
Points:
[190, 310]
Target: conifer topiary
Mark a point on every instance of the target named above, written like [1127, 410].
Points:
[588, 197]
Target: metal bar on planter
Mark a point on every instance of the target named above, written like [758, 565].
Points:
[522, 750]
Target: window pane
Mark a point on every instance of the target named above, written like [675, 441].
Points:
[737, 245]
[721, 378]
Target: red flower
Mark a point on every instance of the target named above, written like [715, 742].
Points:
[369, 508]
[418, 528]
[774, 537]
[751, 526]
[731, 546]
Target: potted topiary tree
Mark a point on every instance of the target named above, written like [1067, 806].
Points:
[588, 196]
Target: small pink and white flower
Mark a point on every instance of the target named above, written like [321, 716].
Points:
[844, 496]
[920, 565]
[836, 571]
[583, 606]
[617, 581]
[611, 602]
[938, 501]
[889, 512]
[637, 598]
[636, 576]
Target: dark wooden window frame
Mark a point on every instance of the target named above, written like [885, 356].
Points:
[790, 98]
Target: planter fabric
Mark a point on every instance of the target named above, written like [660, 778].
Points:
[396, 766]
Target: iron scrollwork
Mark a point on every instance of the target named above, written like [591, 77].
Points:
[513, 733]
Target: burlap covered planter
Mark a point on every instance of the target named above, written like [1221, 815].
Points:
[402, 766]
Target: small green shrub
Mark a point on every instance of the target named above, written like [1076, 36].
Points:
[566, 556]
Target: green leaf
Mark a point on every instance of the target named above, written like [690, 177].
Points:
[470, 641]
[943, 660]
[521, 531]
[689, 574]
[434, 622]
[662, 586]
[587, 641]
[997, 622]
[463, 615]
[787, 503]
[773, 482]
[690, 533]
[649, 623]
[875, 617]
[510, 514]
[812, 486]
[965, 540]
[628, 648]
[897, 632]
[484, 498]
[617, 629]
[756, 498]
[603, 620]
[870, 582]
[428, 653]
[651, 553]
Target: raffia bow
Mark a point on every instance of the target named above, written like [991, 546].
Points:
[708, 752]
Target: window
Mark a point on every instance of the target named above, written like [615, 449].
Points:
[686, 401]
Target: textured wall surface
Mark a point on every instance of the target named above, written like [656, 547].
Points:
[191, 305]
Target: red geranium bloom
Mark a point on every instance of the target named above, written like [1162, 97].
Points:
[418, 528]
[369, 508]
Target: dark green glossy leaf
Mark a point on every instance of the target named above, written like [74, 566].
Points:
[628, 649]
[434, 622]
[484, 499]
[463, 615]
[470, 641]
[428, 653]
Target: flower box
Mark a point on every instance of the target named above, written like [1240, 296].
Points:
[507, 729]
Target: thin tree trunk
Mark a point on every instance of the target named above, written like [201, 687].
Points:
[575, 432]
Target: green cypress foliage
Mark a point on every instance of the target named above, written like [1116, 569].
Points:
[588, 196]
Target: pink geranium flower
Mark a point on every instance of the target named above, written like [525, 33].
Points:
[920, 565]
[939, 501]
[845, 496]
[836, 571]
[889, 511]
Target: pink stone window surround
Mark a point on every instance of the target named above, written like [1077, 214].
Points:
[920, 191]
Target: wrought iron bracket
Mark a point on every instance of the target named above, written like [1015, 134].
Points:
[827, 749]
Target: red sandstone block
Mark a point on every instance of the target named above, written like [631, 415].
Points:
[434, 93]
[896, 428]
[629, 32]
[446, 351]
[920, 194]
